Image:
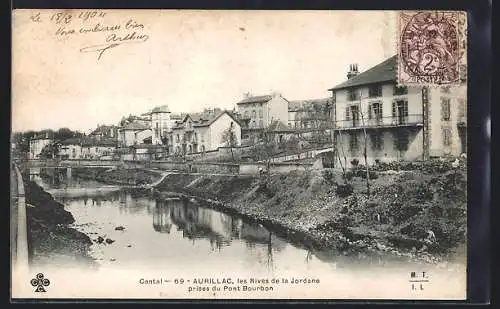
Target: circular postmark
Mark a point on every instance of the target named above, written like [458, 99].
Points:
[430, 46]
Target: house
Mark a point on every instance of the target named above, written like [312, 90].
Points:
[71, 148]
[142, 152]
[161, 123]
[133, 133]
[92, 148]
[104, 131]
[200, 132]
[260, 111]
[310, 114]
[38, 142]
[402, 123]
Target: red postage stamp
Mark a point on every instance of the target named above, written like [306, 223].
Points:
[430, 47]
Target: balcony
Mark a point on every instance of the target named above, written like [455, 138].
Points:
[382, 122]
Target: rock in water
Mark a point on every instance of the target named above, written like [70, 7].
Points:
[109, 241]
[119, 228]
[100, 239]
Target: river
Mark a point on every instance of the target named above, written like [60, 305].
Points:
[177, 239]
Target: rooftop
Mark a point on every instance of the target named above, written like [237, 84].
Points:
[256, 99]
[204, 119]
[135, 126]
[383, 72]
[161, 109]
[278, 126]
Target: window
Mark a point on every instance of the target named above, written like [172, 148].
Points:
[375, 91]
[260, 113]
[446, 132]
[445, 109]
[261, 123]
[348, 113]
[400, 111]
[202, 148]
[177, 138]
[202, 137]
[245, 114]
[461, 108]
[377, 140]
[254, 114]
[353, 142]
[353, 94]
[290, 125]
[400, 90]
[401, 139]
[375, 111]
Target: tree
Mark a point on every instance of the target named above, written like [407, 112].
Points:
[359, 110]
[64, 133]
[230, 139]
[50, 150]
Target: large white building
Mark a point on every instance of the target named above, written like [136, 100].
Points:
[402, 123]
[161, 123]
[259, 112]
[200, 132]
[38, 142]
[134, 133]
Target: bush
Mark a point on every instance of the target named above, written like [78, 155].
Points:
[354, 162]
[344, 190]
[329, 176]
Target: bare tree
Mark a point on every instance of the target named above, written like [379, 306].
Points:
[229, 138]
[361, 113]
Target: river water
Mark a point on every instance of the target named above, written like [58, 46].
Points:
[174, 237]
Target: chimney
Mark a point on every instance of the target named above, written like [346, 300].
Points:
[353, 70]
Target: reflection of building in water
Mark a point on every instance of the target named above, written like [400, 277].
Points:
[197, 222]
[161, 218]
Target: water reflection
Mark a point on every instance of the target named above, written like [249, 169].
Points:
[178, 231]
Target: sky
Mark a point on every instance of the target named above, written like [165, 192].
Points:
[190, 60]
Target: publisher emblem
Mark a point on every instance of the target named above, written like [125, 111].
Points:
[40, 282]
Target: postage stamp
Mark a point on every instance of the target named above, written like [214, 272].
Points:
[430, 47]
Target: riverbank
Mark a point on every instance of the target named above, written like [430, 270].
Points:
[118, 176]
[406, 202]
[51, 239]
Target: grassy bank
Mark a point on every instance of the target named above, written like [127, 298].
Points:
[51, 240]
[119, 176]
[405, 203]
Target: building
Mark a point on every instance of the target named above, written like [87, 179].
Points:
[161, 124]
[38, 142]
[402, 123]
[145, 152]
[310, 114]
[104, 131]
[200, 132]
[92, 148]
[71, 148]
[134, 133]
[260, 111]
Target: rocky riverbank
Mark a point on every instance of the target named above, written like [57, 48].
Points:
[51, 239]
[118, 176]
[414, 210]
[403, 207]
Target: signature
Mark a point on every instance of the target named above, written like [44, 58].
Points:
[113, 41]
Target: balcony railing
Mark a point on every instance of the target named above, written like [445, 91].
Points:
[410, 120]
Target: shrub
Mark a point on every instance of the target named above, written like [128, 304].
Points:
[344, 190]
[329, 176]
[354, 162]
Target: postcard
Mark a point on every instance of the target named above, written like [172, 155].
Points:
[239, 154]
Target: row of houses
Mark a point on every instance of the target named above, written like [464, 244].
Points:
[399, 122]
